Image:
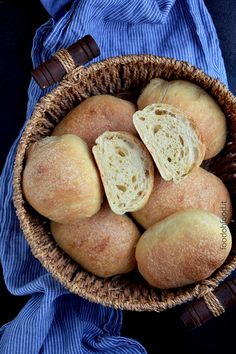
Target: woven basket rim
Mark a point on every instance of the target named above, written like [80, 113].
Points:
[73, 78]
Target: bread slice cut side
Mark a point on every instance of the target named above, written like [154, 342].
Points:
[126, 170]
[171, 139]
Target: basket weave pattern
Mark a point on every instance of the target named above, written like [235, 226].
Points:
[122, 77]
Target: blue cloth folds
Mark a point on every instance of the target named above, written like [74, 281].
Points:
[53, 320]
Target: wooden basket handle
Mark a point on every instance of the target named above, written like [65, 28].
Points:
[65, 60]
[197, 312]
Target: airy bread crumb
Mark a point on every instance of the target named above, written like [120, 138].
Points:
[126, 170]
[171, 139]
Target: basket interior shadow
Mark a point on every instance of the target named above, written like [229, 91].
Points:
[123, 77]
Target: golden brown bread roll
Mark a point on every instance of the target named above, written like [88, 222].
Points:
[103, 244]
[98, 114]
[196, 103]
[182, 249]
[200, 189]
[60, 179]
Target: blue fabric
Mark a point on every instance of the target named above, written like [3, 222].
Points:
[53, 320]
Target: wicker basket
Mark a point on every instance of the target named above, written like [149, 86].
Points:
[123, 77]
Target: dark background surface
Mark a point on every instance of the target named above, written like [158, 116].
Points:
[159, 333]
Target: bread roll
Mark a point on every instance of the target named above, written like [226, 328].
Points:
[182, 249]
[171, 139]
[104, 244]
[60, 179]
[196, 103]
[98, 114]
[126, 170]
[201, 189]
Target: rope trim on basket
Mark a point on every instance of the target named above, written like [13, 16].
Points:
[115, 76]
[66, 60]
[213, 304]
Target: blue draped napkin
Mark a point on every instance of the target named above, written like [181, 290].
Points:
[53, 320]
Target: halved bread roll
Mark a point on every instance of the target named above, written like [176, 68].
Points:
[200, 107]
[171, 139]
[126, 170]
